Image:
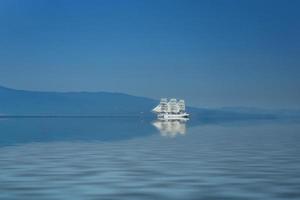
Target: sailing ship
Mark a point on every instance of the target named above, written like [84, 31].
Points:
[171, 110]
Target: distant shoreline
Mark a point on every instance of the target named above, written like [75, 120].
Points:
[70, 116]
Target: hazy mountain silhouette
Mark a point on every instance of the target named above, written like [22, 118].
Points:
[21, 102]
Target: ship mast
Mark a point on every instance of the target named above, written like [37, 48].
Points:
[173, 106]
[181, 105]
[164, 105]
[172, 109]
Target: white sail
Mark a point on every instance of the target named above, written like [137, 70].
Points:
[171, 109]
[173, 106]
[157, 109]
[181, 105]
[164, 105]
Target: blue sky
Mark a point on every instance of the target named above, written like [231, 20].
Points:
[213, 53]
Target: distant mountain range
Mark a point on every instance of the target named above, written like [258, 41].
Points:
[34, 103]
[20, 102]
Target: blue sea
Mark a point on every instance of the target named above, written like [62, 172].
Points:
[136, 159]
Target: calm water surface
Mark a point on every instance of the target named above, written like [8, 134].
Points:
[140, 159]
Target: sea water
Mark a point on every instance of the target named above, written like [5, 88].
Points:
[133, 158]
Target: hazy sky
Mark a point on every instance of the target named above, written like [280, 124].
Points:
[212, 53]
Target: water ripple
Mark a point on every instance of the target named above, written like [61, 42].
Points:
[207, 163]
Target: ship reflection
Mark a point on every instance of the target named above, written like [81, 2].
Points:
[171, 128]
